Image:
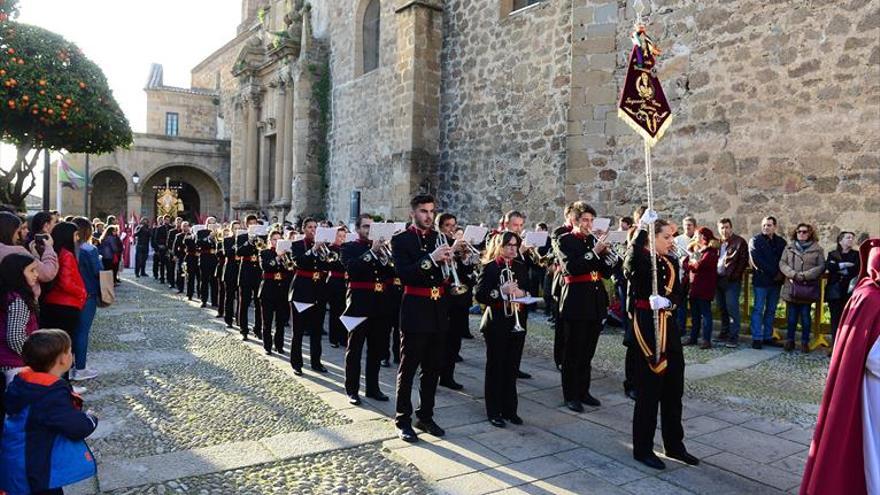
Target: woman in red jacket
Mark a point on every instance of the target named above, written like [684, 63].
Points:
[66, 296]
[702, 267]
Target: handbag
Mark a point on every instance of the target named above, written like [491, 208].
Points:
[108, 290]
[807, 291]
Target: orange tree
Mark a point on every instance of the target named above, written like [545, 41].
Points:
[51, 97]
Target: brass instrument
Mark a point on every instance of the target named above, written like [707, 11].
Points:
[507, 299]
[473, 254]
[324, 253]
[450, 268]
[384, 254]
[288, 262]
[259, 243]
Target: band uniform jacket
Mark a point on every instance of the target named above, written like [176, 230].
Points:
[221, 259]
[231, 266]
[169, 242]
[306, 288]
[207, 248]
[557, 282]
[467, 277]
[364, 269]
[272, 267]
[488, 292]
[249, 273]
[638, 272]
[411, 250]
[585, 298]
[178, 245]
[160, 238]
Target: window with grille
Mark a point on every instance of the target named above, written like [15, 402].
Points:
[171, 124]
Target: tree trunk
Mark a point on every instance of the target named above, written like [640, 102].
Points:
[13, 191]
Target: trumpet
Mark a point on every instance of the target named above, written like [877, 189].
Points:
[259, 243]
[509, 308]
[324, 253]
[384, 254]
[450, 268]
[473, 254]
[288, 262]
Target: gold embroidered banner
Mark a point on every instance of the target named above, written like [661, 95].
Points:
[643, 104]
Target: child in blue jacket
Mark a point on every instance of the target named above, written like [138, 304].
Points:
[43, 446]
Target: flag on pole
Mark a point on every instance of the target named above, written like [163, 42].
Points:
[68, 177]
[643, 104]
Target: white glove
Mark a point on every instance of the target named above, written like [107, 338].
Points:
[659, 302]
[647, 218]
[846, 264]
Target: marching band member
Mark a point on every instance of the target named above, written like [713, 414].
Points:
[306, 290]
[459, 306]
[220, 268]
[557, 282]
[190, 261]
[584, 262]
[178, 250]
[230, 275]
[367, 288]
[207, 247]
[170, 272]
[503, 325]
[273, 294]
[159, 240]
[334, 291]
[418, 254]
[659, 381]
[394, 294]
[248, 281]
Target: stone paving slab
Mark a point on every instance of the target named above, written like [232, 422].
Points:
[775, 477]
[750, 444]
[519, 443]
[744, 358]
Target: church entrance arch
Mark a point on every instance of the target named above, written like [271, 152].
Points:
[199, 193]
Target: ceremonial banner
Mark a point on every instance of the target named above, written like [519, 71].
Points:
[643, 104]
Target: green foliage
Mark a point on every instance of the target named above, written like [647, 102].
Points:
[322, 92]
[52, 96]
[8, 10]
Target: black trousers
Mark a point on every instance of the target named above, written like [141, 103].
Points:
[836, 308]
[501, 368]
[208, 283]
[221, 296]
[581, 337]
[231, 296]
[192, 276]
[336, 301]
[246, 295]
[459, 321]
[275, 309]
[374, 331]
[63, 317]
[159, 264]
[310, 321]
[629, 367]
[425, 350]
[170, 265]
[393, 347]
[558, 338]
[664, 391]
[179, 276]
[140, 260]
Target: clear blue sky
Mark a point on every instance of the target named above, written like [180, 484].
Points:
[125, 36]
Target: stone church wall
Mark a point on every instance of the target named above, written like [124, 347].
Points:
[776, 112]
[505, 86]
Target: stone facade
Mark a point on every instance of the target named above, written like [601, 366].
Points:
[775, 109]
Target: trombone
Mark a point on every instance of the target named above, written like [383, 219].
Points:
[449, 268]
[507, 300]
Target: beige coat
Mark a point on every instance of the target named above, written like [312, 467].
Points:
[810, 265]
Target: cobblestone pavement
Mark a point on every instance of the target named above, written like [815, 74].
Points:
[187, 407]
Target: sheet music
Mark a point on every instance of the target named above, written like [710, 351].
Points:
[326, 235]
[258, 230]
[239, 232]
[283, 246]
[382, 231]
[399, 227]
[601, 224]
[351, 237]
[197, 228]
[617, 237]
[536, 239]
[474, 234]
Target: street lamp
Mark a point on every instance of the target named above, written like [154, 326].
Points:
[135, 179]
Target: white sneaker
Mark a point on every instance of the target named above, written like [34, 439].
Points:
[83, 374]
[80, 390]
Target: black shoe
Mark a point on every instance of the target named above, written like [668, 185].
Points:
[684, 457]
[407, 434]
[514, 419]
[218, 316]
[497, 422]
[651, 460]
[574, 406]
[319, 368]
[756, 344]
[354, 400]
[723, 336]
[334, 345]
[268, 352]
[591, 401]
[244, 337]
[468, 336]
[297, 371]
[385, 363]
[280, 351]
[377, 395]
[258, 334]
[522, 375]
[458, 358]
[452, 384]
[229, 325]
[204, 305]
[431, 427]
[631, 393]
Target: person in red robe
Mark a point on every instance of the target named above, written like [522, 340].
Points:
[845, 452]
